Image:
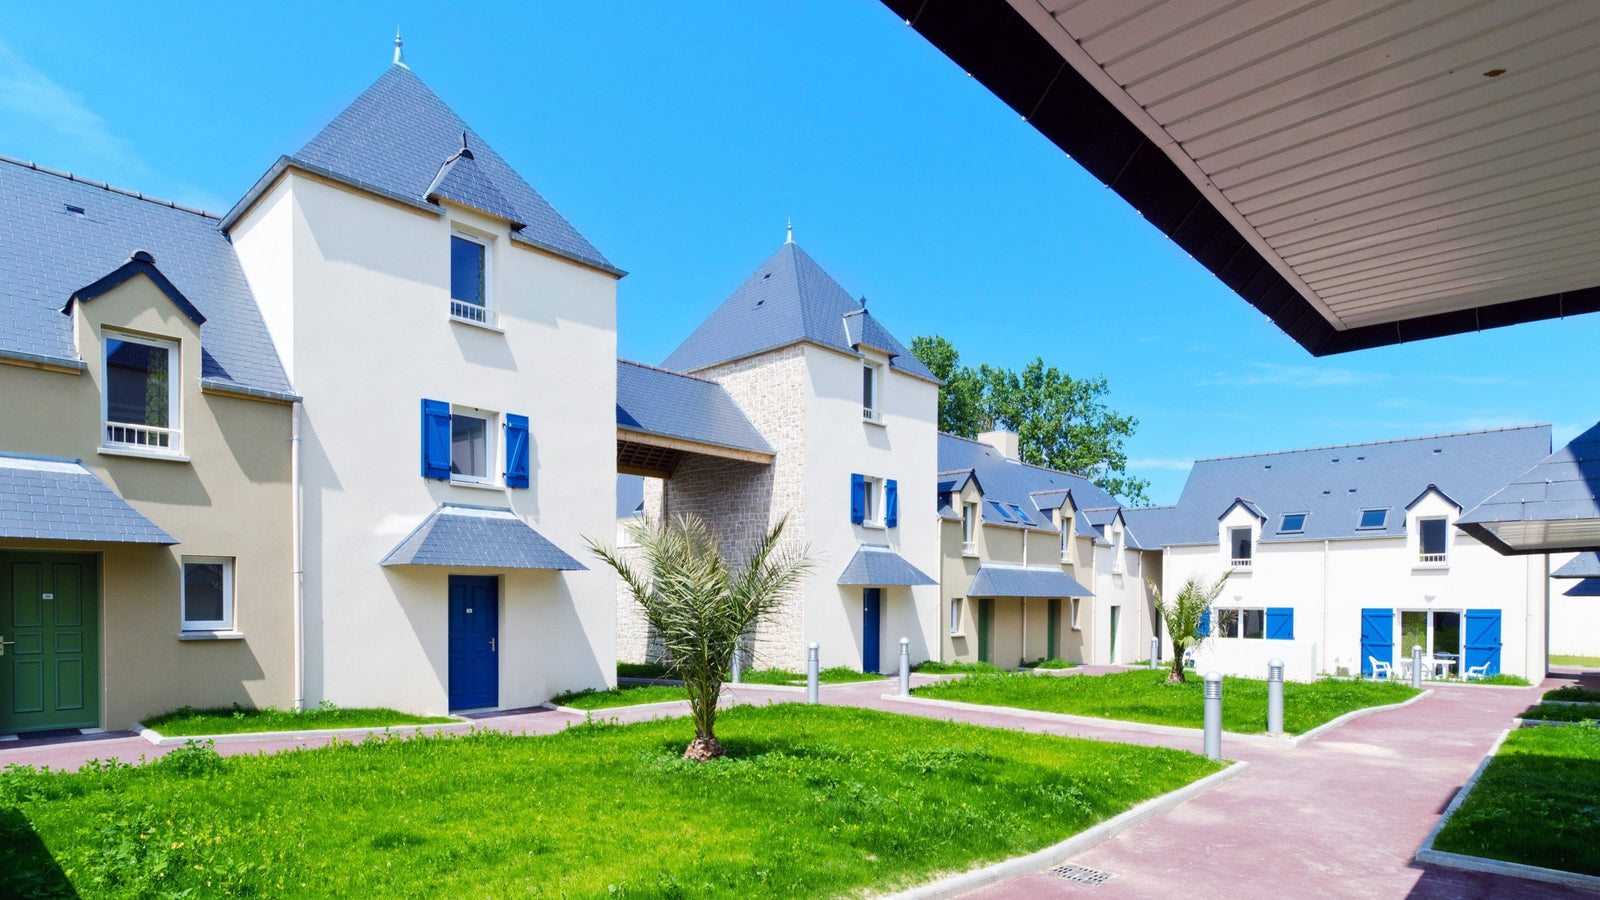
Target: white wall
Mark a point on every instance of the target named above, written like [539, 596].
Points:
[904, 447]
[355, 291]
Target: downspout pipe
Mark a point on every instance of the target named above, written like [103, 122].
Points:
[298, 572]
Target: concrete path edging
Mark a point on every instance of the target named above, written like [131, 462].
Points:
[164, 740]
[1056, 854]
[1568, 703]
[1426, 853]
[1325, 727]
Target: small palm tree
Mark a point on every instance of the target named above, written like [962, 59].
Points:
[700, 605]
[1184, 614]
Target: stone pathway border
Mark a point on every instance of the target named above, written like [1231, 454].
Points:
[165, 740]
[1426, 853]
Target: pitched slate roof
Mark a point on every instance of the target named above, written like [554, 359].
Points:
[1584, 565]
[1027, 487]
[996, 580]
[55, 499]
[396, 139]
[789, 299]
[875, 565]
[1332, 485]
[1555, 504]
[1588, 587]
[474, 536]
[674, 405]
[48, 253]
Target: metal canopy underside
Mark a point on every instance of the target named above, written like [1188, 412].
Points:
[1363, 173]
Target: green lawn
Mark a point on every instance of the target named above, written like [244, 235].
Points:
[622, 695]
[1535, 803]
[1560, 712]
[1574, 693]
[834, 675]
[812, 802]
[1056, 663]
[934, 667]
[1502, 678]
[187, 721]
[1586, 662]
[1144, 696]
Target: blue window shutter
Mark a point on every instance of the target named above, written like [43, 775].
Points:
[858, 499]
[891, 503]
[1483, 640]
[435, 439]
[1280, 623]
[516, 451]
[1377, 637]
[1204, 628]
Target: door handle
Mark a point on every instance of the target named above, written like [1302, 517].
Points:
[4, 644]
[491, 645]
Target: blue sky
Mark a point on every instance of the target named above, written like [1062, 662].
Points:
[679, 144]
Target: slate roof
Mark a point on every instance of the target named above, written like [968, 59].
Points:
[789, 299]
[875, 565]
[671, 404]
[1332, 485]
[396, 138]
[1563, 489]
[995, 580]
[1584, 565]
[55, 499]
[47, 253]
[1588, 587]
[473, 536]
[1009, 483]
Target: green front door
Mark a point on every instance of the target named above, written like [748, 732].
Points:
[50, 638]
[985, 623]
[1052, 628]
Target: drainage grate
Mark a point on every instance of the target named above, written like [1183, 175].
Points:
[1081, 874]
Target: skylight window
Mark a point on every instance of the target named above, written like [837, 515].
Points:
[1020, 514]
[1293, 523]
[1001, 510]
[1374, 518]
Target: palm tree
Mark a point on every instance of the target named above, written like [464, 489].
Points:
[1184, 614]
[700, 605]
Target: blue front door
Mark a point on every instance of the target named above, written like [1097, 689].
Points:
[474, 641]
[871, 612]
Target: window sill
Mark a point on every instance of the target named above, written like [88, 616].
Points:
[958, 634]
[483, 326]
[136, 453]
[211, 635]
[872, 420]
[1430, 566]
[875, 526]
[969, 554]
[475, 485]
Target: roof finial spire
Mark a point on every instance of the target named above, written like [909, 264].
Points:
[398, 59]
[790, 238]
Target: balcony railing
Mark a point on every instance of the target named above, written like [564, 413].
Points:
[143, 437]
[1241, 563]
[1433, 559]
[1066, 557]
[870, 414]
[473, 313]
[969, 548]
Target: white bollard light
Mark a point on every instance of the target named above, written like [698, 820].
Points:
[1275, 697]
[811, 674]
[1213, 738]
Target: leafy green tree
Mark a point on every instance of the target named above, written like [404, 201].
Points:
[1183, 615]
[700, 605]
[1061, 422]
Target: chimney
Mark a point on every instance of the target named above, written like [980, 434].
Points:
[1004, 441]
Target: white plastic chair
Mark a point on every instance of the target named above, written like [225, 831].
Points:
[1476, 673]
[1380, 669]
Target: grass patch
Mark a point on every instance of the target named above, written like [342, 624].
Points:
[1573, 693]
[813, 802]
[642, 670]
[1503, 679]
[832, 675]
[1535, 803]
[187, 721]
[1582, 662]
[1560, 712]
[935, 667]
[1055, 663]
[622, 695]
[1145, 696]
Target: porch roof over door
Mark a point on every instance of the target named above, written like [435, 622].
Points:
[664, 416]
[56, 499]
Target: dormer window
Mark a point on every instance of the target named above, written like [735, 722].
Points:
[1066, 538]
[141, 394]
[1432, 534]
[969, 525]
[1374, 518]
[869, 393]
[1117, 548]
[469, 280]
[1240, 544]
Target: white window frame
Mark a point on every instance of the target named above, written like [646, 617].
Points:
[872, 514]
[197, 625]
[1362, 515]
[1239, 610]
[491, 446]
[1073, 606]
[462, 310]
[872, 412]
[1117, 547]
[1236, 561]
[174, 429]
[957, 610]
[969, 529]
[1304, 518]
[1426, 559]
[1428, 650]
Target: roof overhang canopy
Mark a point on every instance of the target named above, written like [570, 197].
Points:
[53, 499]
[1552, 507]
[664, 417]
[878, 566]
[1024, 581]
[1364, 174]
[478, 537]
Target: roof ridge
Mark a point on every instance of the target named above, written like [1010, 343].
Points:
[1022, 462]
[637, 364]
[105, 186]
[1404, 440]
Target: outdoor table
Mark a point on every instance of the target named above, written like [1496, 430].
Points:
[1442, 666]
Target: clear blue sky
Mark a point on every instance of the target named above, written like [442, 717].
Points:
[679, 138]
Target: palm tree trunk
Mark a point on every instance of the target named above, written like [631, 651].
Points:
[1175, 676]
